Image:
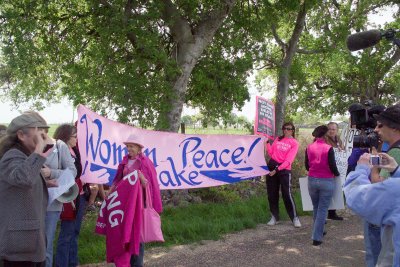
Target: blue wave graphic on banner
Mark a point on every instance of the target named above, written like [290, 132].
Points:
[111, 172]
[231, 177]
[226, 176]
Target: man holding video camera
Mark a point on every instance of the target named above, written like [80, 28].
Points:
[376, 124]
[388, 130]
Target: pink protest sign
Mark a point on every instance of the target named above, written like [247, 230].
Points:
[264, 123]
[182, 161]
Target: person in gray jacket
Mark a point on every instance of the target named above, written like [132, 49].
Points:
[57, 161]
[23, 193]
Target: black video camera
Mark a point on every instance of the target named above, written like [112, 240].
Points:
[362, 116]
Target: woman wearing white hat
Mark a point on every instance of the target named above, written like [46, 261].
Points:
[136, 160]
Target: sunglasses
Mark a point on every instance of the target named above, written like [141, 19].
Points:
[288, 128]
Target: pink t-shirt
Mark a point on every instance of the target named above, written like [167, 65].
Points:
[283, 151]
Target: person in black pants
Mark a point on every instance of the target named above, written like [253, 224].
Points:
[282, 152]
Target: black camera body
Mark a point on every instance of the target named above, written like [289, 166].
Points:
[362, 116]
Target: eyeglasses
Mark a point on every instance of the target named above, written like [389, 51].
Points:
[288, 128]
[379, 125]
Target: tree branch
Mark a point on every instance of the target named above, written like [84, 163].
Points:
[298, 29]
[321, 87]
[358, 13]
[180, 27]
[277, 38]
[269, 65]
[128, 14]
[210, 23]
[336, 4]
[310, 52]
[395, 58]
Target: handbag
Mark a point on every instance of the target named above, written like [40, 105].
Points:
[151, 224]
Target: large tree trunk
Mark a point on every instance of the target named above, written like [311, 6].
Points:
[284, 70]
[187, 58]
[282, 91]
[190, 42]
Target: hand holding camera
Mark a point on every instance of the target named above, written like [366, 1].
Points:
[381, 160]
[388, 162]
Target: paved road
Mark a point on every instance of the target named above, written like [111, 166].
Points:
[280, 245]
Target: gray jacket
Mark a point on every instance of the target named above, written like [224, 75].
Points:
[59, 160]
[23, 203]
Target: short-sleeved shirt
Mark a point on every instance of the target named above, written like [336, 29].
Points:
[394, 152]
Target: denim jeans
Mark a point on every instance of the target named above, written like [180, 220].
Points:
[137, 260]
[52, 218]
[321, 192]
[372, 242]
[67, 245]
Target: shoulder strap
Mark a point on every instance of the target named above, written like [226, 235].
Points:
[58, 155]
[149, 201]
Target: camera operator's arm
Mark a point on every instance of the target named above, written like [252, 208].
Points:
[362, 172]
[371, 201]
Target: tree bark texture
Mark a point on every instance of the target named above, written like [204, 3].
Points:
[190, 42]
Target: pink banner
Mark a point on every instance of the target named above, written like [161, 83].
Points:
[182, 161]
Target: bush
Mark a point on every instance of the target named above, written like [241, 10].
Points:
[298, 168]
[231, 192]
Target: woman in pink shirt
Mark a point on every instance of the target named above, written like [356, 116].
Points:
[282, 152]
[321, 166]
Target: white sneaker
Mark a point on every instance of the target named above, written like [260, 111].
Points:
[296, 222]
[273, 221]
